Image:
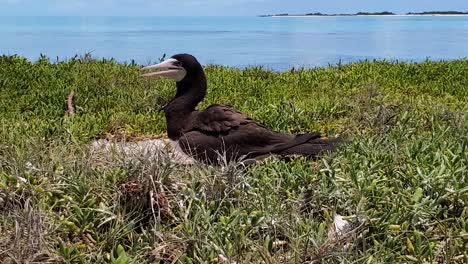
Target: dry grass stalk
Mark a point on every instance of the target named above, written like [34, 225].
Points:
[70, 107]
[27, 243]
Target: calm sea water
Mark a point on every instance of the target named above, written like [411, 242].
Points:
[276, 43]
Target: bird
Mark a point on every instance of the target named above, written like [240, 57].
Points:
[220, 133]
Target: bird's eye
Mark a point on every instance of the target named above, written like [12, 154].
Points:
[178, 64]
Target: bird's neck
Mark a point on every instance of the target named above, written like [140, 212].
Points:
[189, 95]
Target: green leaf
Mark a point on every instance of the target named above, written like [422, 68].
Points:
[417, 195]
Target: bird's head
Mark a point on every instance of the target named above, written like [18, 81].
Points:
[180, 67]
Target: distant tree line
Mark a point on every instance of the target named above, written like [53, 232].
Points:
[321, 14]
[439, 13]
[384, 13]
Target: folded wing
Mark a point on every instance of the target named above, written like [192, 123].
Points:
[220, 131]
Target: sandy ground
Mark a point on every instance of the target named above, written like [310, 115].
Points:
[103, 148]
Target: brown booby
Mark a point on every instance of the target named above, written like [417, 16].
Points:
[220, 132]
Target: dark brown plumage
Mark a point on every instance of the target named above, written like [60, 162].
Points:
[220, 132]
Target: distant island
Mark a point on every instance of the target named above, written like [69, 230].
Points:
[439, 13]
[385, 13]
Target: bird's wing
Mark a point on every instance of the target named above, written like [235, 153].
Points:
[220, 119]
[221, 128]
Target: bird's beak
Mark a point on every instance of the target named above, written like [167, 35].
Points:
[169, 69]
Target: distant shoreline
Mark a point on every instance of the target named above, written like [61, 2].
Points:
[403, 15]
[385, 13]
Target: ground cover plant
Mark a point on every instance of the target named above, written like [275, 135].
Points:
[401, 171]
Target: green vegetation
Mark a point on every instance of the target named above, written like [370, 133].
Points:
[402, 170]
[384, 13]
[439, 13]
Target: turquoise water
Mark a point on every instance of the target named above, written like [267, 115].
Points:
[276, 43]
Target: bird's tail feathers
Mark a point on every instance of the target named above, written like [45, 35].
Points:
[312, 147]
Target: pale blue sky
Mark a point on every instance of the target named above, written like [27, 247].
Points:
[217, 7]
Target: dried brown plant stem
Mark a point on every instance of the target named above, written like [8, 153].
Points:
[70, 108]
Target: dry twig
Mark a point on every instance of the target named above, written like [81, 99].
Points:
[70, 108]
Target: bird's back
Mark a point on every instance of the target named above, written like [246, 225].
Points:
[220, 131]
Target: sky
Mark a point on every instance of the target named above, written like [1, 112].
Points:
[217, 7]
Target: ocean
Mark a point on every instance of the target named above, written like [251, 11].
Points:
[274, 43]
